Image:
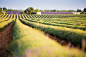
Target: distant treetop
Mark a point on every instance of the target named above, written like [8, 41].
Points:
[84, 9]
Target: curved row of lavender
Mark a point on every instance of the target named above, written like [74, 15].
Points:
[56, 13]
[14, 12]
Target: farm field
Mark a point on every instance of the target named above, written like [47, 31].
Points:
[74, 34]
[63, 21]
[28, 38]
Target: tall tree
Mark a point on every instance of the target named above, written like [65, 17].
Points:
[4, 8]
[84, 9]
[29, 10]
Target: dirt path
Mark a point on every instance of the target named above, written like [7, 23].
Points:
[5, 38]
[60, 41]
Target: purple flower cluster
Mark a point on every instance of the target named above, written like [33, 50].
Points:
[14, 12]
[56, 13]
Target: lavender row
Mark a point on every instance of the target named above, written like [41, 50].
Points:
[14, 12]
[56, 13]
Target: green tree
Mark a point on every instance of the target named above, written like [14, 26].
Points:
[45, 10]
[51, 10]
[84, 9]
[54, 10]
[37, 10]
[4, 9]
[26, 11]
[71, 11]
[82, 12]
[29, 10]
[41, 10]
[78, 10]
[48, 10]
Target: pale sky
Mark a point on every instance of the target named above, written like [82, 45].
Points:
[44, 4]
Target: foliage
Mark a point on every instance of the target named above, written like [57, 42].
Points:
[41, 10]
[84, 9]
[22, 12]
[13, 10]
[54, 10]
[29, 10]
[4, 9]
[82, 12]
[71, 11]
[45, 10]
[37, 10]
[9, 10]
[78, 10]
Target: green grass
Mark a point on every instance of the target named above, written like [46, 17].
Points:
[33, 43]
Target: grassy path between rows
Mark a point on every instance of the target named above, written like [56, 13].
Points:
[29, 42]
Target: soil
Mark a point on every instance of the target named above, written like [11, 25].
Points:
[5, 39]
[61, 41]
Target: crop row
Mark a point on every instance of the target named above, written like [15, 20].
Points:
[71, 22]
[73, 35]
[1, 15]
[28, 42]
[55, 16]
[4, 21]
[31, 42]
[6, 17]
[61, 32]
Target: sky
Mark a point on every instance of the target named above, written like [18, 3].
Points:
[44, 4]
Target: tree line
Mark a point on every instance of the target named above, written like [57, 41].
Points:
[30, 10]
